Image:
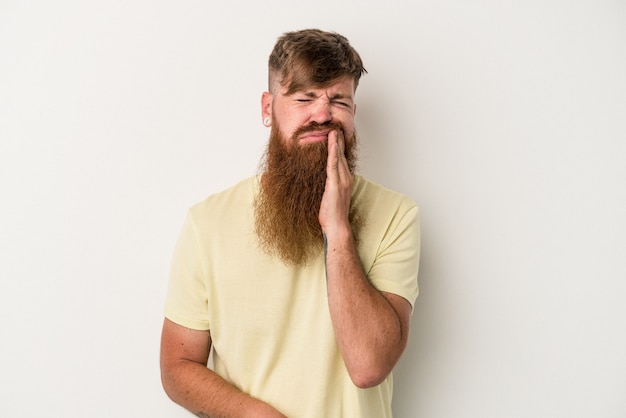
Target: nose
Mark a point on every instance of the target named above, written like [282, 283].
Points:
[322, 112]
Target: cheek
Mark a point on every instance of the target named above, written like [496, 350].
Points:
[288, 122]
[348, 126]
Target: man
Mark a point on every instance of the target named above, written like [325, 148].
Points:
[302, 279]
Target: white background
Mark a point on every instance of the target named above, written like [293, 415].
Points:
[505, 121]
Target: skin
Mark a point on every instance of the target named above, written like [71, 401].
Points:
[371, 327]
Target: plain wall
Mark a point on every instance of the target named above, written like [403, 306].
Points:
[505, 121]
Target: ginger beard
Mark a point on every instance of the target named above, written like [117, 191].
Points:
[286, 210]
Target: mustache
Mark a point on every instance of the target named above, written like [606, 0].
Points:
[314, 126]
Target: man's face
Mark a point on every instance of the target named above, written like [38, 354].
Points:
[296, 112]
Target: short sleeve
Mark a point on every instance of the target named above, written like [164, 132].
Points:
[186, 302]
[397, 263]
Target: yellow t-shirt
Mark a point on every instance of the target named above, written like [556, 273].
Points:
[270, 324]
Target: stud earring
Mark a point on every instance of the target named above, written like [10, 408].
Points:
[266, 121]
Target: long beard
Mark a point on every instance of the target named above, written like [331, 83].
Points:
[292, 185]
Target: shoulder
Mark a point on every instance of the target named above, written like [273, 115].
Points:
[231, 203]
[371, 195]
[245, 189]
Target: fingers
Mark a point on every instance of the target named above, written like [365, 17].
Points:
[331, 162]
[341, 145]
[336, 163]
[332, 147]
[342, 162]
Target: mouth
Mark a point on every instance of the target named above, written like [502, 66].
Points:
[313, 137]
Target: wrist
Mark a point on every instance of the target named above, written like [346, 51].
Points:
[338, 238]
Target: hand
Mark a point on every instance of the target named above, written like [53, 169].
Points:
[335, 206]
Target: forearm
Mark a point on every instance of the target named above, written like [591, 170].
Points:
[368, 329]
[206, 394]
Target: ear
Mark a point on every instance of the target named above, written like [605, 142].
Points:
[354, 110]
[266, 106]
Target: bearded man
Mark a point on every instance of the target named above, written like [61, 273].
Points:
[301, 280]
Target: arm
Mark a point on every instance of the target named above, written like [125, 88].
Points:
[371, 327]
[188, 382]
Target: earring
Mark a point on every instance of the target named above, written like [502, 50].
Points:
[266, 121]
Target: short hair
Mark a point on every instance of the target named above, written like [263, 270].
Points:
[312, 57]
